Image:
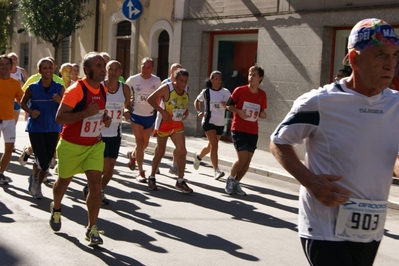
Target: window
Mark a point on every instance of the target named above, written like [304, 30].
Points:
[124, 28]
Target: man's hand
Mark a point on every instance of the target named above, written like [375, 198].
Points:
[92, 109]
[242, 114]
[263, 114]
[165, 116]
[126, 114]
[107, 120]
[327, 192]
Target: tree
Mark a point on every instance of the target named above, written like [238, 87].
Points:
[6, 12]
[53, 21]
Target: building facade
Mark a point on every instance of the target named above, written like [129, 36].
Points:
[156, 33]
[299, 43]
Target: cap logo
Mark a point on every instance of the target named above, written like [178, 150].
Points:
[371, 32]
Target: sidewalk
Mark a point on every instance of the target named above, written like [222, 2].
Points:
[263, 163]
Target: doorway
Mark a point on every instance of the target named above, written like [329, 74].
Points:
[123, 56]
[163, 55]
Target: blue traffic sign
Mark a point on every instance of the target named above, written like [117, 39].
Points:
[132, 9]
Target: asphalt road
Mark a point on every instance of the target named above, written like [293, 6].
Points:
[162, 227]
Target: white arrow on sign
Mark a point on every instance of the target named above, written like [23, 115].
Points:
[132, 9]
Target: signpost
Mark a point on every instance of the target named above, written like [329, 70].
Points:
[132, 9]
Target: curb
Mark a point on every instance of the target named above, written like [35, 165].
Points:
[392, 204]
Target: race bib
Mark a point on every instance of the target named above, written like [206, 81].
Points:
[361, 220]
[115, 111]
[91, 126]
[141, 97]
[215, 106]
[178, 114]
[252, 110]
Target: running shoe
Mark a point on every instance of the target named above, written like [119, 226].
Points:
[53, 163]
[230, 182]
[183, 187]
[152, 184]
[132, 161]
[23, 158]
[39, 194]
[93, 236]
[8, 179]
[218, 174]
[104, 200]
[55, 219]
[33, 186]
[85, 191]
[141, 177]
[3, 180]
[237, 188]
[197, 161]
[173, 170]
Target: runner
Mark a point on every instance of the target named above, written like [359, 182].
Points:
[44, 98]
[118, 104]
[80, 149]
[174, 99]
[214, 98]
[171, 78]
[248, 103]
[350, 128]
[19, 74]
[143, 116]
[10, 90]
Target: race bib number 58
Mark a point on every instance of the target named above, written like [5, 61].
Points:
[361, 220]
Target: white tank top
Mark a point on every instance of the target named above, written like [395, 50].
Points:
[114, 109]
[18, 75]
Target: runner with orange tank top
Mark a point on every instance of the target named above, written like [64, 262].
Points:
[81, 149]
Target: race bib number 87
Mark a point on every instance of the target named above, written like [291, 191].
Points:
[361, 220]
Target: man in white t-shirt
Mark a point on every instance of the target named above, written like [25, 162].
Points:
[142, 117]
[351, 134]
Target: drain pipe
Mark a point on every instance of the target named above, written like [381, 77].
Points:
[97, 25]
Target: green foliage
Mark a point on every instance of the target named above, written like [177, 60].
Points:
[6, 12]
[51, 20]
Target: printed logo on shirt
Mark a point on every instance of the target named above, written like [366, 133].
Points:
[370, 111]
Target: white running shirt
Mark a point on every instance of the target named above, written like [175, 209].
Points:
[216, 108]
[141, 89]
[346, 134]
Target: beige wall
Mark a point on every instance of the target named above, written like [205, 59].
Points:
[153, 12]
[156, 16]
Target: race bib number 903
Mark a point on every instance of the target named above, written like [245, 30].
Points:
[361, 220]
